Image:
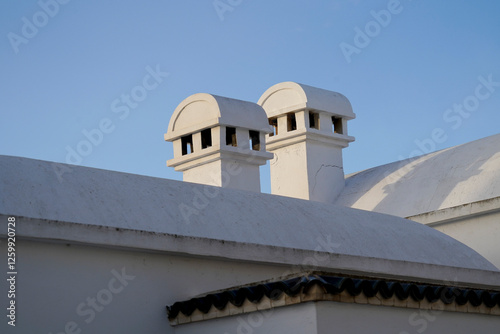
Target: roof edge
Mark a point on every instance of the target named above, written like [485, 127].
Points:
[458, 212]
[324, 287]
[95, 235]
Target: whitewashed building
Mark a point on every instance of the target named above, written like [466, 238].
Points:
[107, 252]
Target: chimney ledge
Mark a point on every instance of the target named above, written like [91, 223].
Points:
[303, 135]
[215, 153]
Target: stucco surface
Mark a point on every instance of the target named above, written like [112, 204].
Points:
[447, 178]
[201, 110]
[56, 281]
[112, 201]
[333, 317]
[290, 96]
[367, 319]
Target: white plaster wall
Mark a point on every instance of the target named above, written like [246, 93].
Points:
[481, 233]
[228, 174]
[300, 318]
[307, 170]
[241, 175]
[333, 317]
[209, 174]
[368, 319]
[325, 171]
[54, 279]
[289, 171]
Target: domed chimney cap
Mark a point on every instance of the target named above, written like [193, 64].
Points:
[202, 111]
[290, 96]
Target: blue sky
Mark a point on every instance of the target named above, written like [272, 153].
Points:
[424, 78]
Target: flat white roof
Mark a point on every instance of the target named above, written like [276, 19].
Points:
[124, 210]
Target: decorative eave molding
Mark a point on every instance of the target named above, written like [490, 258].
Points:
[320, 287]
[460, 212]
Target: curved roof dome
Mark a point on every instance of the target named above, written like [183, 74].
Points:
[240, 224]
[299, 96]
[201, 111]
[448, 178]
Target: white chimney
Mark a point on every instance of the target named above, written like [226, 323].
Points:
[219, 141]
[310, 131]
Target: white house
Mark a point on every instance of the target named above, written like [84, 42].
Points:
[107, 252]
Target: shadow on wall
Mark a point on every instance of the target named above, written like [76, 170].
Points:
[434, 181]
